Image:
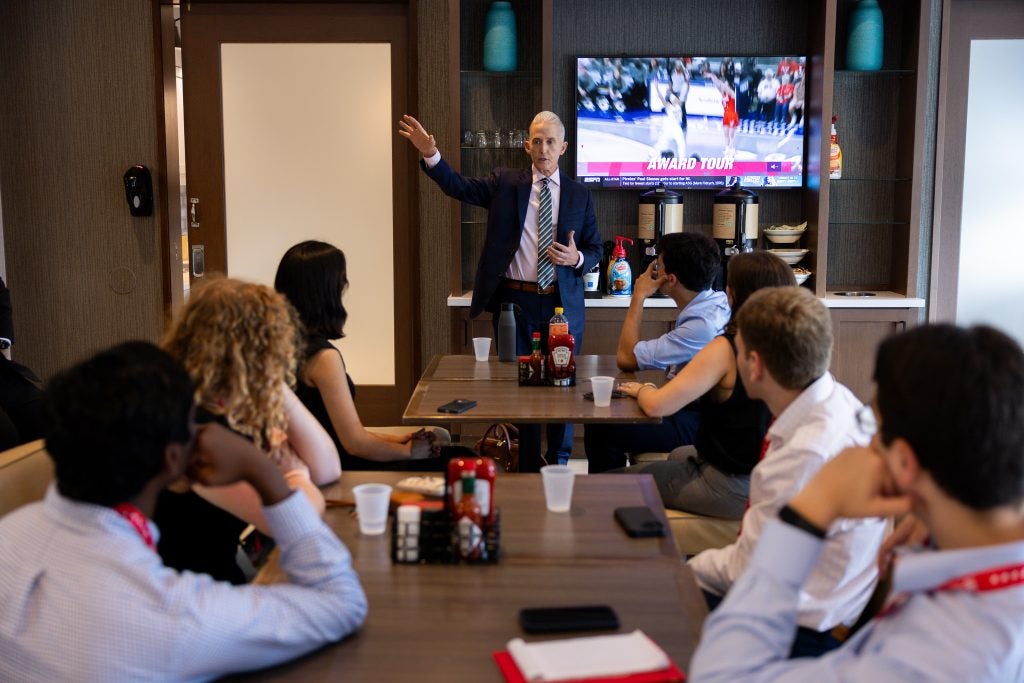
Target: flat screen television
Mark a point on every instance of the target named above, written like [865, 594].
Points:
[690, 122]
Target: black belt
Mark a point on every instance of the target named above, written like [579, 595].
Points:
[523, 286]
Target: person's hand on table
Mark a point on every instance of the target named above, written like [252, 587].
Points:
[633, 389]
[422, 446]
[648, 283]
[564, 254]
[413, 131]
[287, 460]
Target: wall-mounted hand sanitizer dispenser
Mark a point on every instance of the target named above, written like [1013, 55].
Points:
[138, 190]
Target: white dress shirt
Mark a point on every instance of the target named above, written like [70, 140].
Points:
[524, 264]
[83, 598]
[934, 636]
[813, 429]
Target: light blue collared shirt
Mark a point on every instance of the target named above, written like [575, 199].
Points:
[697, 324]
[934, 636]
[83, 598]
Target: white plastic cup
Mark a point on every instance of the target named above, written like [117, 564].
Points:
[372, 507]
[482, 348]
[602, 390]
[558, 480]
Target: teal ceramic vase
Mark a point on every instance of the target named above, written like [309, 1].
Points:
[864, 46]
[501, 52]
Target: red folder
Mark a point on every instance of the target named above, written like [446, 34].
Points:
[512, 674]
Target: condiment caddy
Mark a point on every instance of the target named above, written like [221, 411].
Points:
[465, 529]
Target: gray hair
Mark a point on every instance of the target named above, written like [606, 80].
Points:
[546, 117]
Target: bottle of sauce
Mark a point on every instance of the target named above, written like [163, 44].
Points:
[538, 366]
[835, 154]
[469, 519]
[561, 361]
[456, 466]
[486, 471]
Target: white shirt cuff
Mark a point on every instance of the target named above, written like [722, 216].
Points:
[432, 160]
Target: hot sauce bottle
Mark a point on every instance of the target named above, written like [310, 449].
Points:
[456, 466]
[538, 368]
[485, 475]
[561, 362]
[469, 519]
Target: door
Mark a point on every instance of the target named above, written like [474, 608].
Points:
[976, 276]
[289, 135]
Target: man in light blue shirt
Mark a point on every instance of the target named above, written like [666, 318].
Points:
[84, 595]
[686, 268]
[948, 452]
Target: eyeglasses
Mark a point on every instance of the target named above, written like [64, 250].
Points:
[866, 420]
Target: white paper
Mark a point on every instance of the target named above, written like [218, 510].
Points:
[590, 657]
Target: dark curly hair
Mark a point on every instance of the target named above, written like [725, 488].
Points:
[957, 397]
[692, 257]
[109, 419]
[313, 276]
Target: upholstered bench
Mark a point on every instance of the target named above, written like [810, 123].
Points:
[25, 472]
[693, 533]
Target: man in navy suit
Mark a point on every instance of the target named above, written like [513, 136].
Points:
[541, 237]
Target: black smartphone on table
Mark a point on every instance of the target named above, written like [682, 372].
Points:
[639, 522]
[557, 619]
[459, 405]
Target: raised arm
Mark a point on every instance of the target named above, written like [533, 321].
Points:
[713, 366]
[311, 441]
[643, 287]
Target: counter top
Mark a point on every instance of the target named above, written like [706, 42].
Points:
[831, 300]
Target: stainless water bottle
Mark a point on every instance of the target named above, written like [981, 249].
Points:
[507, 333]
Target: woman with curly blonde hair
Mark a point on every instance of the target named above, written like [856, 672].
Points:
[239, 342]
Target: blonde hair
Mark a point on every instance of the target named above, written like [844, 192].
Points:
[239, 342]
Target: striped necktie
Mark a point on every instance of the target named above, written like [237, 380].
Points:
[545, 271]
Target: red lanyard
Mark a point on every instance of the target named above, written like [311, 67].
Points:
[137, 520]
[994, 579]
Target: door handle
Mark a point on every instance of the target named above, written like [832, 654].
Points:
[193, 211]
[198, 260]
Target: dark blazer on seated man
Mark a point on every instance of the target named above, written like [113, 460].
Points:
[514, 265]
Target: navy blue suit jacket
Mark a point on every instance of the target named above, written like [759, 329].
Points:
[505, 194]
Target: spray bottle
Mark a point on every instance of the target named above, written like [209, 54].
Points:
[835, 154]
[620, 277]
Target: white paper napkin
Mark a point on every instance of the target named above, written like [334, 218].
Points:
[589, 657]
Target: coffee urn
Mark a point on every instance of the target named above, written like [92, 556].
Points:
[734, 223]
[660, 213]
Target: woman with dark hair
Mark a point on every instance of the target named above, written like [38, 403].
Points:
[313, 276]
[715, 481]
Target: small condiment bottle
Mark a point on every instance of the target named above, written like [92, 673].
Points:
[408, 545]
[469, 520]
[486, 472]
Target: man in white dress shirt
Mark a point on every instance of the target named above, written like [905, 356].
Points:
[84, 595]
[949, 448]
[784, 345]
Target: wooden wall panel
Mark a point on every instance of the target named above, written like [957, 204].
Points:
[433, 104]
[79, 107]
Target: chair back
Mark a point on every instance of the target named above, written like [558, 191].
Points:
[25, 472]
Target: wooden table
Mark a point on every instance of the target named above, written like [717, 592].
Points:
[441, 623]
[494, 386]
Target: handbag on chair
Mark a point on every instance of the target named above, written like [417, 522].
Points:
[501, 443]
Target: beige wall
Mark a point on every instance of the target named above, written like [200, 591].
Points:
[78, 106]
[78, 100]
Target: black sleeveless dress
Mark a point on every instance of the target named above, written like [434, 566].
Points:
[731, 432]
[314, 402]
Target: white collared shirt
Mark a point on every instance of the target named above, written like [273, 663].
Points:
[524, 264]
[809, 432]
[83, 598]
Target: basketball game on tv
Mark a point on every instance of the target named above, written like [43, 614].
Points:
[690, 122]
